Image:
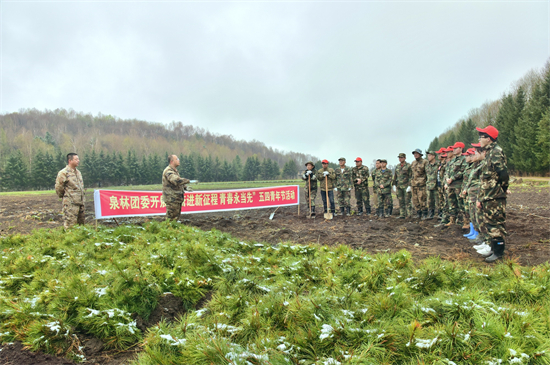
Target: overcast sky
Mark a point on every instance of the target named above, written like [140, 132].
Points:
[362, 78]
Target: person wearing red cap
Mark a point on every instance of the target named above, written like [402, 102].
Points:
[326, 177]
[431, 183]
[468, 157]
[441, 203]
[471, 190]
[360, 176]
[494, 180]
[455, 175]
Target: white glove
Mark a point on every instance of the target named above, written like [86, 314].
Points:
[308, 172]
[349, 189]
[335, 189]
[304, 176]
[189, 189]
[408, 189]
[394, 188]
[325, 173]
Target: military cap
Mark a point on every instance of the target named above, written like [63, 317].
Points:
[358, 159]
[310, 163]
[402, 155]
[342, 158]
[324, 161]
[419, 151]
[431, 152]
[383, 160]
[458, 145]
[489, 130]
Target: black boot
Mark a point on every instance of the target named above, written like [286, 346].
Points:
[312, 212]
[379, 213]
[333, 211]
[368, 210]
[497, 246]
[348, 211]
[359, 211]
[391, 210]
[342, 211]
[418, 214]
[424, 215]
[387, 215]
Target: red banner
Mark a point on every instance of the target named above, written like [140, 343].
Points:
[123, 203]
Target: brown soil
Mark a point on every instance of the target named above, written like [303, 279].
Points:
[528, 243]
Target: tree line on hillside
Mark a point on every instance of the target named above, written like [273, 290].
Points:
[115, 169]
[31, 130]
[522, 117]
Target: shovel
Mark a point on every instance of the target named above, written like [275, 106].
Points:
[328, 214]
[273, 214]
[309, 190]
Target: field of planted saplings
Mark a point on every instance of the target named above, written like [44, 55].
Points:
[239, 288]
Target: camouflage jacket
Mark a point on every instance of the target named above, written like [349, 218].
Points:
[329, 181]
[431, 175]
[172, 184]
[374, 175]
[384, 178]
[360, 173]
[441, 174]
[418, 168]
[494, 174]
[343, 178]
[455, 171]
[69, 186]
[472, 183]
[314, 181]
[467, 171]
[402, 176]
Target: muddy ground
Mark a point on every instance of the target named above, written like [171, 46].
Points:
[528, 242]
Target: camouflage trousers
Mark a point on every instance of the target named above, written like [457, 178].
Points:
[374, 198]
[473, 213]
[362, 195]
[452, 201]
[313, 196]
[405, 201]
[72, 214]
[173, 209]
[419, 197]
[431, 198]
[494, 218]
[344, 197]
[385, 199]
[442, 202]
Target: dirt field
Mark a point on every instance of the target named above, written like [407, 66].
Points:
[528, 242]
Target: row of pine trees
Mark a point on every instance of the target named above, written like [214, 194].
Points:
[523, 122]
[115, 169]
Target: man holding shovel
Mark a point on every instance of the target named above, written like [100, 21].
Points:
[310, 178]
[327, 176]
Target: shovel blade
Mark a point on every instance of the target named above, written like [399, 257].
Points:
[272, 215]
[328, 215]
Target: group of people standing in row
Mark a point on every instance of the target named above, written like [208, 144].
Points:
[466, 186]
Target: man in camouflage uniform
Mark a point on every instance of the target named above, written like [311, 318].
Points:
[310, 177]
[441, 182]
[492, 191]
[384, 181]
[173, 187]
[455, 174]
[418, 183]
[344, 183]
[431, 183]
[401, 182]
[70, 187]
[360, 177]
[374, 186]
[468, 158]
[326, 177]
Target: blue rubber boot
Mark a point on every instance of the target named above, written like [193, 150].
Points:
[467, 235]
[474, 235]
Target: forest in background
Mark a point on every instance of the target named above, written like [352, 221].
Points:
[33, 146]
[522, 117]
